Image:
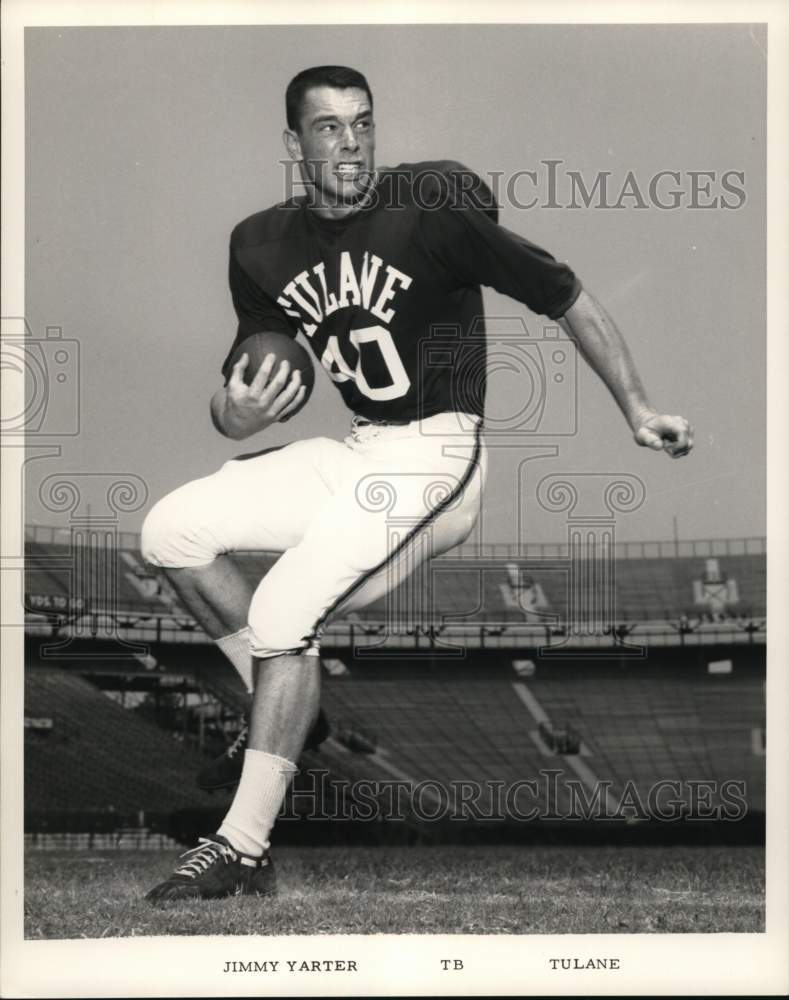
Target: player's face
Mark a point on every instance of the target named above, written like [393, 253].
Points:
[335, 144]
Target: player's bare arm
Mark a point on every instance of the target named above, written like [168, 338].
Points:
[602, 345]
[239, 410]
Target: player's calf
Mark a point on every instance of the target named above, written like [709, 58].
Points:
[225, 770]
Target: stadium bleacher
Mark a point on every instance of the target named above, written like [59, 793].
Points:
[657, 721]
[414, 716]
[645, 589]
[465, 590]
[98, 756]
[668, 720]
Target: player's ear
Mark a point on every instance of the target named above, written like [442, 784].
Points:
[293, 145]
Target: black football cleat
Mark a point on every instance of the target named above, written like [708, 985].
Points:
[214, 870]
[225, 771]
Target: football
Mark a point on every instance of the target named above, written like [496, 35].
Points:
[285, 348]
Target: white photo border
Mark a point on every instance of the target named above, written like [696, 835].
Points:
[673, 964]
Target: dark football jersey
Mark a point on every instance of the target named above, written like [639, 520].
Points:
[389, 298]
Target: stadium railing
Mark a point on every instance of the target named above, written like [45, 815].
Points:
[659, 549]
[489, 596]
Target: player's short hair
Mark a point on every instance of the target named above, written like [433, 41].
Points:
[340, 77]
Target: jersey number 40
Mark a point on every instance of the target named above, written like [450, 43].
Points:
[339, 370]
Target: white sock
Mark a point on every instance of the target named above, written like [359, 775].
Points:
[236, 649]
[264, 781]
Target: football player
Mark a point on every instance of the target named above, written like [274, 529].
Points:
[365, 267]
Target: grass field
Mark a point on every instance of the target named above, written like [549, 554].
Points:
[416, 890]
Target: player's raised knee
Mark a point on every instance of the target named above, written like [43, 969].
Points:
[170, 539]
[157, 536]
[271, 638]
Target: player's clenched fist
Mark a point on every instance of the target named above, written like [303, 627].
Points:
[664, 433]
[239, 409]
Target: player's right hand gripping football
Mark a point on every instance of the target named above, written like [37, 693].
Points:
[268, 399]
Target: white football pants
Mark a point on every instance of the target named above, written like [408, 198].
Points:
[350, 518]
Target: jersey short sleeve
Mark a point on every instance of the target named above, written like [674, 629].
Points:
[464, 238]
[256, 311]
